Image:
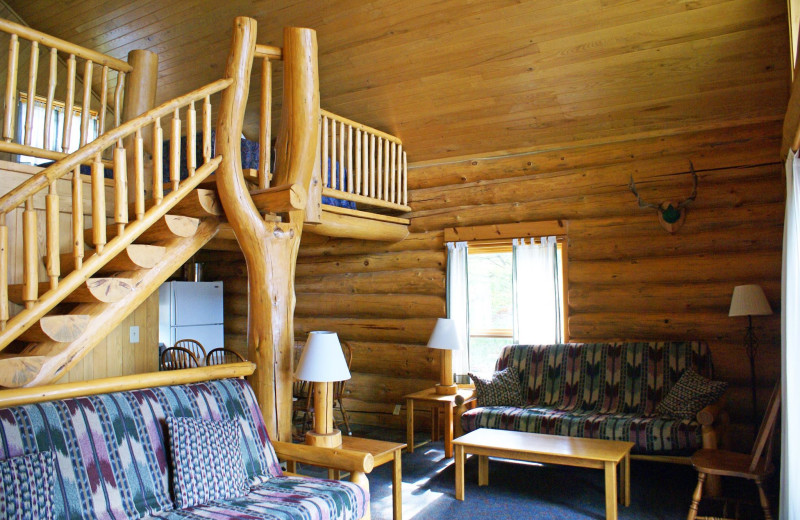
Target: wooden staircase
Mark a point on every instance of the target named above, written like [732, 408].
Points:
[114, 266]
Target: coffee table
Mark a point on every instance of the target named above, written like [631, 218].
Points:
[549, 449]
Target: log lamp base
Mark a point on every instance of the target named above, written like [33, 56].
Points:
[324, 440]
[446, 389]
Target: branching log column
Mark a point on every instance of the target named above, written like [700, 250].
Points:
[270, 248]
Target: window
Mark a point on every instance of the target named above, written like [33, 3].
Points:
[57, 127]
[504, 291]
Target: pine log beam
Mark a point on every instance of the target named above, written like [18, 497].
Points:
[106, 290]
[363, 227]
[280, 199]
[132, 258]
[167, 227]
[105, 317]
[270, 248]
[60, 328]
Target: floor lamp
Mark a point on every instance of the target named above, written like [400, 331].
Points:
[445, 338]
[322, 362]
[749, 300]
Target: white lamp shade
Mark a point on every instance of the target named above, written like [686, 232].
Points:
[322, 359]
[749, 300]
[445, 336]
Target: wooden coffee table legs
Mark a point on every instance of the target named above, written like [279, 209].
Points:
[609, 468]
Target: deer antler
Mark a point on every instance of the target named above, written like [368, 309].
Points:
[685, 202]
[642, 204]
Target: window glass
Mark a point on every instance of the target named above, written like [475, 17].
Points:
[490, 307]
[56, 132]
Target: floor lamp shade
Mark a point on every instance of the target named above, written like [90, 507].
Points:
[322, 359]
[445, 338]
[322, 362]
[749, 300]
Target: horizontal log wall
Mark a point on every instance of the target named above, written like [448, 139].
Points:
[627, 277]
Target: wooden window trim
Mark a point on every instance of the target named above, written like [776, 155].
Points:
[493, 238]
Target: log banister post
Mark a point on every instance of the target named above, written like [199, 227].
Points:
[270, 248]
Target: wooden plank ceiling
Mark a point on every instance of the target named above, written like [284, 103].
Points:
[457, 78]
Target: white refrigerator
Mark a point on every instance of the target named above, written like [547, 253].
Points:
[191, 310]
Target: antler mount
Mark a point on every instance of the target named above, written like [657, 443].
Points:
[671, 215]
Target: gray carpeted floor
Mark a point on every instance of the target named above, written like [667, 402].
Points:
[518, 491]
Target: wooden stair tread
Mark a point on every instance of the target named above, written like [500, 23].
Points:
[61, 328]
[167, 227]
[106, 290]
[279, 199]
[201, 202]
[18, 369]
[133, 258]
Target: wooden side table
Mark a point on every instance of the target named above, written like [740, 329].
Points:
[438, 402]
[382, 452]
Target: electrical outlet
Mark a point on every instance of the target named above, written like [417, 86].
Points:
[134, 334]
[396, 410]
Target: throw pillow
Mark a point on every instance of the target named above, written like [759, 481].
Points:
[27, 483]
[691, 393]
[207, 463]
[503, 389]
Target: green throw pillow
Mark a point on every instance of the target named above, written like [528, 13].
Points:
[691, 393]
[503, 389]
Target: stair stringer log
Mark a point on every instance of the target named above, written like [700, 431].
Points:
[105, 317]
[270, 248]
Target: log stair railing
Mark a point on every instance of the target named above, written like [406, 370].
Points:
[135, 245]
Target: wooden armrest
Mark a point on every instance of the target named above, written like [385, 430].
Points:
[460, 399]
[334, 458]
[708, 415]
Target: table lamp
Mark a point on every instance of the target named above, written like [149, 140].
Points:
[749, 300]
[445, 338]
[322, 362]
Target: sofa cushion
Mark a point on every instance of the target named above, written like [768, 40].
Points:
[26, 483]
[652, 435]
[503, 389]
[206, 461]
[625, 377]
[286, 497]
[690, 394]
[110, 450]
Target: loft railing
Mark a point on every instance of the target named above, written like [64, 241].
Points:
[124, 231]
[60, 55]
[362, 164]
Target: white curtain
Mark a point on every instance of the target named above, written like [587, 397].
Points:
[537, 294]
[458, 302]
[790, 342]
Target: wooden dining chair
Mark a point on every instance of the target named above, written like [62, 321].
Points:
[193, 346]
[223, 356]
[756, 466]
[177, 358]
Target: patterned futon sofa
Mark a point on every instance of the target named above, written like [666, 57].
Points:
[602, 391]
[108, 456]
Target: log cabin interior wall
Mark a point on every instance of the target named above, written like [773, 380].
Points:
[519, 111]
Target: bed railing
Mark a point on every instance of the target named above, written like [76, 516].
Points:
[21, 138]
[124, 230]
[362, 164]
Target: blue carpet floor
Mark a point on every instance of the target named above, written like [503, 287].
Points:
[519, 491]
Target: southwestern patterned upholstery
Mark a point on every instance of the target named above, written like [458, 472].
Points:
[112, 457]
[26, 486]
[600, 390]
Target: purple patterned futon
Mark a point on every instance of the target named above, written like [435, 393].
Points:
[601, 391]
[111, 456]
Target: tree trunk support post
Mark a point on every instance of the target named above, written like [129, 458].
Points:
[270, 248]
[140, 96]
